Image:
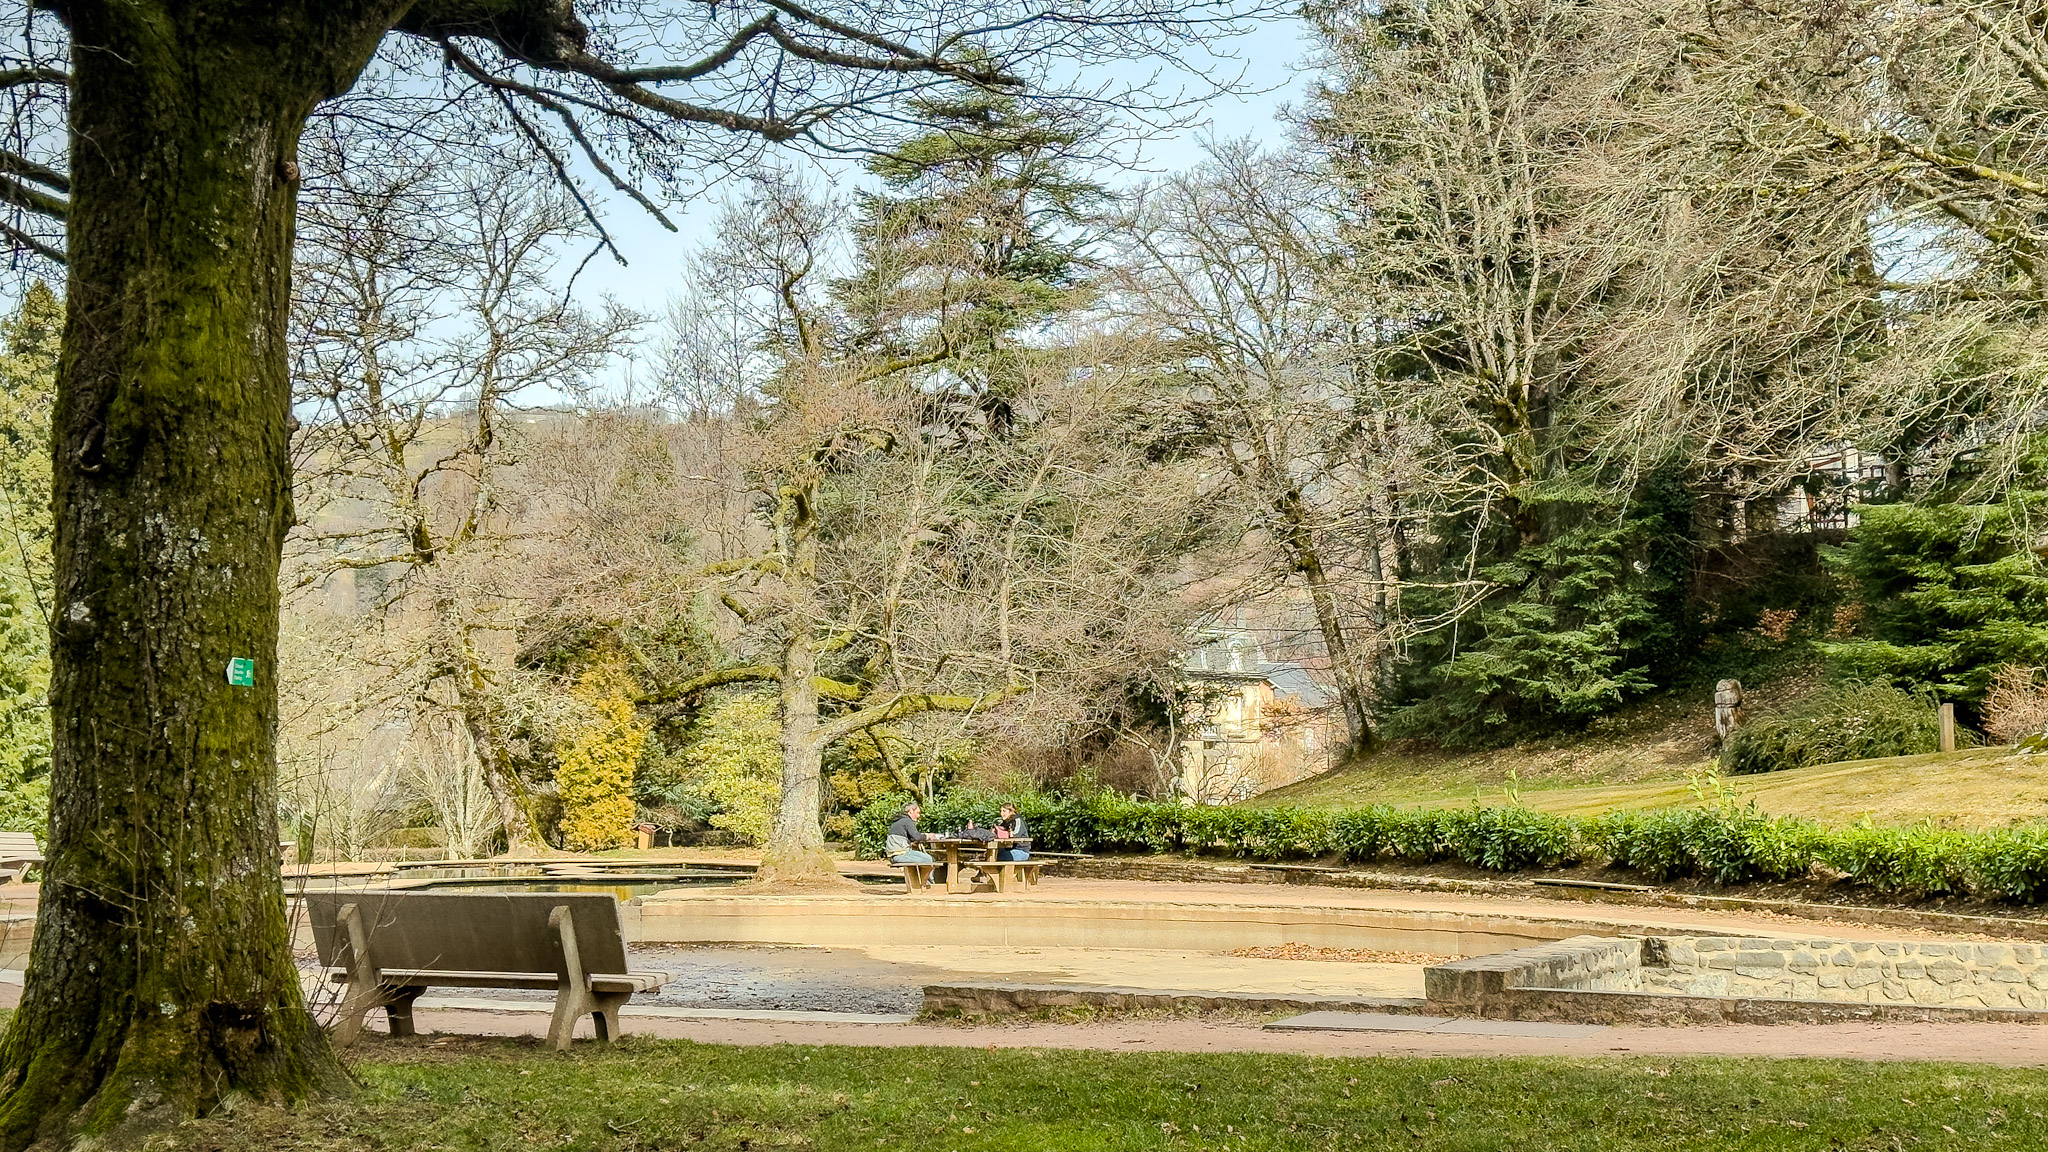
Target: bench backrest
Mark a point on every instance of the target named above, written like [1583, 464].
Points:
[18, 842]
[470, 931]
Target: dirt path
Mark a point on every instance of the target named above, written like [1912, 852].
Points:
[2020, 1045]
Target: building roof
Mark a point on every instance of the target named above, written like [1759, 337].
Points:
[1291, 679]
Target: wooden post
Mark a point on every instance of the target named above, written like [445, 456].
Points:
[1948, 727]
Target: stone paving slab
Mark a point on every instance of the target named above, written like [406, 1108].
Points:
[1440, 1025]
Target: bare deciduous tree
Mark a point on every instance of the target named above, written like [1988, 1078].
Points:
[1229, 269]
[915, 555]
[429, 314]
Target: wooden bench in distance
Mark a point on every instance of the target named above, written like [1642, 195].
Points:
[388, 947]
[18, 854]
[1007, 872]
[916, 877]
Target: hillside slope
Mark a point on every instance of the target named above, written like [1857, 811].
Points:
[1658, 758]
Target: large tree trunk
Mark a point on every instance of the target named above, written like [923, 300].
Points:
[161, 977]
[795, 855]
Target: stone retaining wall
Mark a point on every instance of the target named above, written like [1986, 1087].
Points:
[1581, 963]
[1892, 972]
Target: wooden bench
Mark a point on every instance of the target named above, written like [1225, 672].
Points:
[916, 877]
[388, 947]
[1007, 872]
[18, 854]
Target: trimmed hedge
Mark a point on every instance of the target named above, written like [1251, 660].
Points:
[1725, 845]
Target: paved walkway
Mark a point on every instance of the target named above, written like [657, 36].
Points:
[1623, 917]
[2019, 1045]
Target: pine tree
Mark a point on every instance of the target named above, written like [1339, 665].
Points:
[1950, 594]
[972, 242]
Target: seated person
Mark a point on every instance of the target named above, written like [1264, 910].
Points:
[1010, 826]
[904, 833]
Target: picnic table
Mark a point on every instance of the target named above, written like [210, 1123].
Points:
[978, 852]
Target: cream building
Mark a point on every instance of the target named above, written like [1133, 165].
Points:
[1251, 724]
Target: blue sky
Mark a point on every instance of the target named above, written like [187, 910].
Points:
[1267, 57]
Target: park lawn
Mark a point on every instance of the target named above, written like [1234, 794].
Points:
[642, 1095]
[1976, 788]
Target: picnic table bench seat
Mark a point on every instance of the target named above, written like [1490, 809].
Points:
[918, 877]
[389, 947]
[1007, 872]
[18, 853]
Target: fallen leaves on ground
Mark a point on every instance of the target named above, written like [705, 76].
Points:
[1353, 955]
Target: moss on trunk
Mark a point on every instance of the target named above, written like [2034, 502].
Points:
[795, 856]
[161, 977]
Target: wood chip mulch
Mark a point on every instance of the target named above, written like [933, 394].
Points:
[1353, 955]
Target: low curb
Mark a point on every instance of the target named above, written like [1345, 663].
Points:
[1001, 999]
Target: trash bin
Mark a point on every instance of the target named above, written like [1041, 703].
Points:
[643, 836]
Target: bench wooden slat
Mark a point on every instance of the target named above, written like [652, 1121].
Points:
[441, 978]
[18, 853]
[471, 931]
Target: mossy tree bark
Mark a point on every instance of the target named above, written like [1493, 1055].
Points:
[161, 978]
[795, 854]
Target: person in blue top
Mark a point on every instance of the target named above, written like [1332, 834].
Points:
[1010, 826]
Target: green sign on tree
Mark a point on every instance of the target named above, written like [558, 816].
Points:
[242, 672]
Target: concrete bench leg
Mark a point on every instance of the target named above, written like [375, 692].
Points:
[398, 1010]
[572, 996]
[606, 1014]
[365, 984]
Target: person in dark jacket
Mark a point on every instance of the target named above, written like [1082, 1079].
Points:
[1010, 826]
[904, 835]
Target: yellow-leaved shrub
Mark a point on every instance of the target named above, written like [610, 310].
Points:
[595, 776]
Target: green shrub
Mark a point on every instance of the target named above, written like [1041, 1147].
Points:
[1726, 845]
[734, 757]
[1921, 861]
[1722, 844]
[1833, 723]
[2012, 865]
[1508, 838]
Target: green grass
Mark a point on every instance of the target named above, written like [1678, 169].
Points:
[1978, 788]
[644, 1095]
